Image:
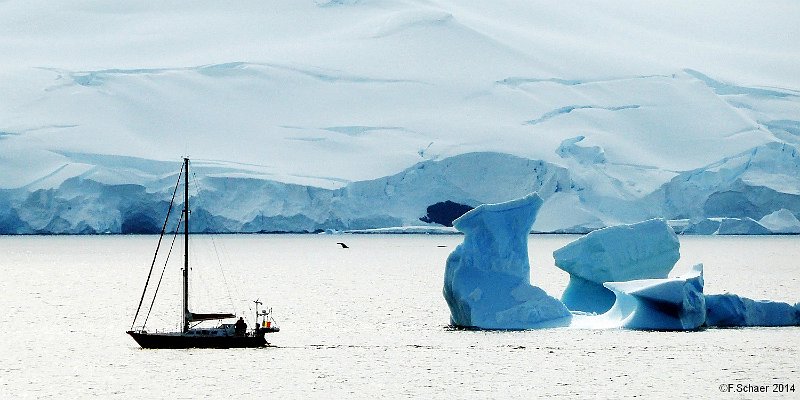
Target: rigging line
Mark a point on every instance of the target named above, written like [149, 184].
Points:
[155, 293]
[222, 271]
[175, 235]
[236, 289]
[199, 188]
[163, 229]
[235, 282]
[235, 279]
[196, 183]
[201, 281]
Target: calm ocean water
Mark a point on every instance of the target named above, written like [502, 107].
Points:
[364, 322]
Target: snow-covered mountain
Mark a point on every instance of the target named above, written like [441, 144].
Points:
[347, 114]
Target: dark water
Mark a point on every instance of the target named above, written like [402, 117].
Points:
[364, 322]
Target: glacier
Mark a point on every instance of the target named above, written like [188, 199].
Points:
[647, 249]
[116, 194]
[352, 115]
[487, 277]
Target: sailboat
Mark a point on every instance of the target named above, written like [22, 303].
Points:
[225, 335]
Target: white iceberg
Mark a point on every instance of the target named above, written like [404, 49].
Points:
[725, 226]
[741, 226]
[659, 304]
[726, 310]
[647, 249]
[781, 221]
[487, 277]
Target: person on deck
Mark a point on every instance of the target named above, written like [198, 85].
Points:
[241, 327]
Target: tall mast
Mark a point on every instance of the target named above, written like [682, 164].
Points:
[186, 247]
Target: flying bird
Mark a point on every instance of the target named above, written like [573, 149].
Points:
[344, 246]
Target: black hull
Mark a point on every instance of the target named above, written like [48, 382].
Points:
[178, 341]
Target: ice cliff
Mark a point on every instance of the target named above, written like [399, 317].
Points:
[127, 195]
[487, 277]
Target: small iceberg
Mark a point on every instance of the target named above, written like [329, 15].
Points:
[730, 310]
[618, 253]
[781, 221]
[659, 304]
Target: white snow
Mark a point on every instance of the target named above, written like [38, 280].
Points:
[487, 277]
[647, 249]
[426, 230]
[635, 109]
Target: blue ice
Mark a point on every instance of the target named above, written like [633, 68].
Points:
[618, 253]
[487, 277]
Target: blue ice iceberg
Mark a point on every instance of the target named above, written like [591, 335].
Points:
[659, 304]
[619, 253]
[487, 277]
[726, 310]
[620, 272]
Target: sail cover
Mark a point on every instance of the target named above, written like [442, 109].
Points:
[209, 316]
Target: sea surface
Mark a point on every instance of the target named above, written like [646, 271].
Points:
[364, 322]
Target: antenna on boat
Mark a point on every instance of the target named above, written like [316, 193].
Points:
[258, 303]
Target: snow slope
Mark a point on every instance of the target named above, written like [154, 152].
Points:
[358, 114]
